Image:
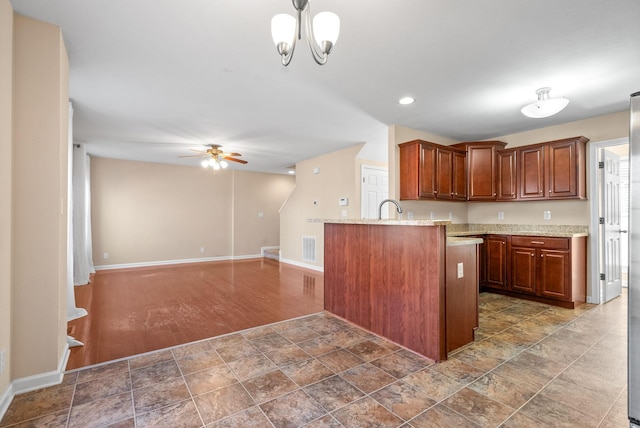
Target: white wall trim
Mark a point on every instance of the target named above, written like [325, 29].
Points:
[302, 265]
[176, 262]
[594, 286]
[5, 400]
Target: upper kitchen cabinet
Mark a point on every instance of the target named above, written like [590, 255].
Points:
[553, 170]
[566, 165]
[481, 169]
[507, 177]
[432, 171]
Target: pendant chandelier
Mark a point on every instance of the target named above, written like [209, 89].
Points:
[321, 35]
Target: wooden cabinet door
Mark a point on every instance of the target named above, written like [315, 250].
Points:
[459, 175]
[444, 180]
[428, 171]
[496, 261]
[531, 162]
[482, 261]
[523, 270]
[561, 169]
[554, 273]
[506, 175]
[482, 171]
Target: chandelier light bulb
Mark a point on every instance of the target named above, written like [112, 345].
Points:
[224, 164]
[326, 27]
[283, 32]
[204, 163]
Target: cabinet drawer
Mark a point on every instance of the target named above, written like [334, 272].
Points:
[540, 242]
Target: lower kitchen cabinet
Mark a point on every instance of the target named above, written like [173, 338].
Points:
[496, 254]
[546, 269]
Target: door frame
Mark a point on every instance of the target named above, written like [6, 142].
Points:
[594, 284]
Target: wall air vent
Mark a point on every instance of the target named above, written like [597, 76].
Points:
[309, 249]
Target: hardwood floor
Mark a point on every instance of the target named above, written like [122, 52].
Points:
[133, 311]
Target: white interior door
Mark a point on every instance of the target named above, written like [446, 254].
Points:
[375, 189]
[612, 227]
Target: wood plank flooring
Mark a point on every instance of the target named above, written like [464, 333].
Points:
[133, 311]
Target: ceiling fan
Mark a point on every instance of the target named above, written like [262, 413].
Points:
[216, 157]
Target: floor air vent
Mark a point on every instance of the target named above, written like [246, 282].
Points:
[309, 249]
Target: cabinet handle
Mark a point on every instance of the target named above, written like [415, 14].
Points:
[503, 243]
[541, 255]
[532, 254]
[538, 242]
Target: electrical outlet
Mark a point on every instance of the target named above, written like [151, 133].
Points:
[202, 249]
[260, 214]
[500, 215]
[105, 256]
[410, 215]
[344, 213]
[460, 270]
[547, 215]
[2, 361]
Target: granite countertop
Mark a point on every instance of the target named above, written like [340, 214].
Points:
[386, 222]
[562, 231]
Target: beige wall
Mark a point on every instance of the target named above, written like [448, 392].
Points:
[338, 174]
[6, 50]
[39, 186]
[256, 210]
[145, 212]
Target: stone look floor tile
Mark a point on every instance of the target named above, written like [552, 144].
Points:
[181, 414]
[340, 360]
[196, 362]
[292, 410]
[210, 380]
[269, 386]
[556, 367]
[102, 387]
[401, 363]
[154, 374]
[478, 408]
[366, 413]
[252, 417]
[223, 402]
[333, 393]
[160, 395]
[102, 412]
[367, 378]
[307, 372]
[440, 416]
[403, 400]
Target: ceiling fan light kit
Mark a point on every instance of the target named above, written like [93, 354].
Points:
[321, 35]
[216, 157]
[545, 106]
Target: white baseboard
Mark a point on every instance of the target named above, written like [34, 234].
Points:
[5, 400]
[302, 265]
[176, 262]
[34, 382]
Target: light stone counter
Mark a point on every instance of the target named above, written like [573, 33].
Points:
[563, 231]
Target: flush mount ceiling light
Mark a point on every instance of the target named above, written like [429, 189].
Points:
[321, 36]
[406, 100]
[545, 106]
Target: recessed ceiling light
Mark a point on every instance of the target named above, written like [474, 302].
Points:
[291, 171]
[406, 100]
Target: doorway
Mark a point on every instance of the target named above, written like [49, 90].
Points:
[609, 213]
[375, 189]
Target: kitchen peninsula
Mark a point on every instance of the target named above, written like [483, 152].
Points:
[403, 280]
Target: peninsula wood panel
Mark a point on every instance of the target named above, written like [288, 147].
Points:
[461, 295]
[346, 252]
[393, 274]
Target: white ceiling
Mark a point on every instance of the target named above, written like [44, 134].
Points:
[151, 79]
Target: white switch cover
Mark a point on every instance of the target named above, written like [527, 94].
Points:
[460, 270]
[105, 256]
[260, 214]
[547, 215]
[202, 249]
[2, 361]
[344, 213]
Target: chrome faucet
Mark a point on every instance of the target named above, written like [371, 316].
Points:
[393, 201]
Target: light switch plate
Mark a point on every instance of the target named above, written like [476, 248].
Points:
[460, 270]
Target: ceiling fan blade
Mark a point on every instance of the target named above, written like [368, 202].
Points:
[234, 160]
[230, 154]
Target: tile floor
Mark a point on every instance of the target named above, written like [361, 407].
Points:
[531, 365]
